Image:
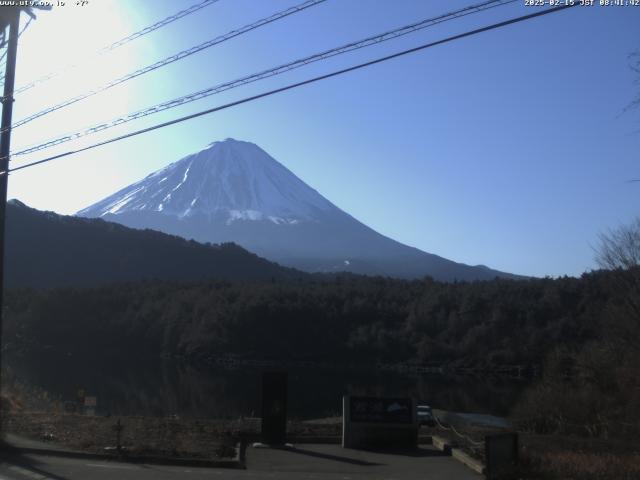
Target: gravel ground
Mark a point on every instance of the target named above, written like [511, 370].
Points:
[171, 437]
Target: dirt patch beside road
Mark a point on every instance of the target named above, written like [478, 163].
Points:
[170, 437]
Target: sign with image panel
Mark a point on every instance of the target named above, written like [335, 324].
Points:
[379, 422]
[381, 410]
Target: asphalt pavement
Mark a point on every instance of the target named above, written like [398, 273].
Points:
[305, 461]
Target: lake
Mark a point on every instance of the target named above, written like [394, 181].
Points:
[169, 387]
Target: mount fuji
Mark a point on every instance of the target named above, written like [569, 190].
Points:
[233, 191]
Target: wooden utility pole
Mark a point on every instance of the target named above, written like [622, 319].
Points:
[12, 17]
[9, 17]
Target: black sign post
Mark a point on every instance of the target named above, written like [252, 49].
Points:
[274, 408]
[501, 454]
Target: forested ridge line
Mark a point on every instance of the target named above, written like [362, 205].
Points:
[344, 319]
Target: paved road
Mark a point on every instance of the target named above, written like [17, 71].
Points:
[320, 462]
[334, 462]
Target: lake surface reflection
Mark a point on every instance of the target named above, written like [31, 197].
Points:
[165, 387]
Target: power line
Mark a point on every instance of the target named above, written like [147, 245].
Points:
[398, 32]
[298, 84]
[171, 59]
[119, 43]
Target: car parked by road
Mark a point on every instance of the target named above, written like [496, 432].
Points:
[425, 416]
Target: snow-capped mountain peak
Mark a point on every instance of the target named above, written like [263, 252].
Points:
[233, 191]
[231, 180]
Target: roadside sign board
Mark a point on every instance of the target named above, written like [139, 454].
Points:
[373, 422]
[274, 408]
[501, 453]
[381, 410]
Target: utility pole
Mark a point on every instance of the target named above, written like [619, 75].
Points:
[12, 17]
[9, 16]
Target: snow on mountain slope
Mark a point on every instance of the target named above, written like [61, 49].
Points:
[231, 180]
[233, 191]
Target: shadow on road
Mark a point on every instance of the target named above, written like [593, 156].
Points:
[335, 458]
[416, 452]
[30, 464]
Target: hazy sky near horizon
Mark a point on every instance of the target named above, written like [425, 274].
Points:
[510, 149]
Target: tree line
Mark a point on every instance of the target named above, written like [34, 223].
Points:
[346, 318]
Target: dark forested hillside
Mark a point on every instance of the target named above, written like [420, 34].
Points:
[345, 319]
[45, 249]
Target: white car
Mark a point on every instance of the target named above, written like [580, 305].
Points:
[425, 416]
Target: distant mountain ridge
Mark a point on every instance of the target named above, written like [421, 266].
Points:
[45, 249]
[233, 191]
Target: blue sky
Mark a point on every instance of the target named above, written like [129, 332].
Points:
[508, 149]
